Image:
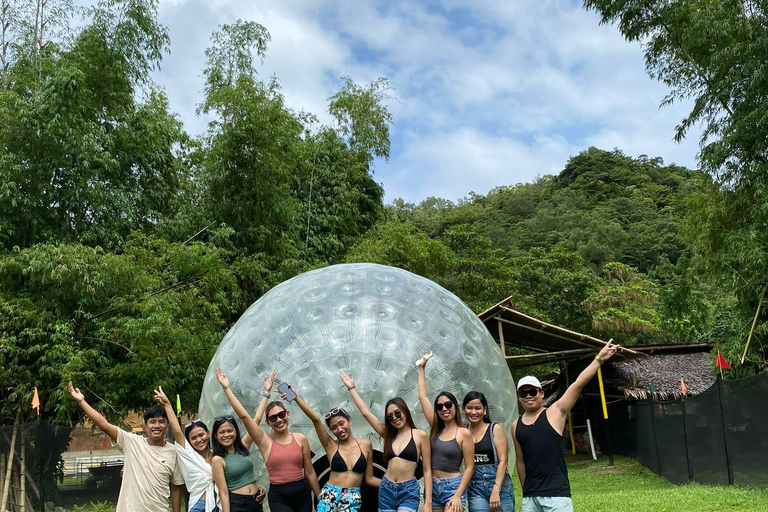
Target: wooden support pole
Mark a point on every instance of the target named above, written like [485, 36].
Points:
[754, 321]
[23, 485]
[7, 483]
[501, 337]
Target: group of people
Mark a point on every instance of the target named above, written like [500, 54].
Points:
[216, 467]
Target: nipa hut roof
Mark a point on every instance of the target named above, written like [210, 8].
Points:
[633, 375]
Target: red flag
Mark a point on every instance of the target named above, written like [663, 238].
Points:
[36, 401]
[721, 362]
[683, 387]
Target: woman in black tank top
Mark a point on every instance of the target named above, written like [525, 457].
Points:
[350, 459]
[451, 445]
[491, 486]
[404, 444]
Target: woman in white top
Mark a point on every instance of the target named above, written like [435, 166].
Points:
[194, 454]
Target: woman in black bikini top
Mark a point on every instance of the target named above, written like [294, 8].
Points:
[399, 489]
[342, 491]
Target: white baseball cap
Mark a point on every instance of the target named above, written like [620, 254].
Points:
[529, 381]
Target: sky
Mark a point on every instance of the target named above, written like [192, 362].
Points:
[487, 93]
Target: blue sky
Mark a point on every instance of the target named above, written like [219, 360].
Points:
[488, 93]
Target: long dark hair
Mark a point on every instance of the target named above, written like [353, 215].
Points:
[437, 423]
[390, 431]
[216, 447]
[476, 395]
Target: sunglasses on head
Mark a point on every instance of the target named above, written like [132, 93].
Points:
[335, 412]
[223, 418]
[274, 417]
[523, 393]
[448, 406]
[195, 422]
[396, 415]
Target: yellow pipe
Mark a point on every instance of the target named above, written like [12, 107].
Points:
[570, 430]
[602, 393]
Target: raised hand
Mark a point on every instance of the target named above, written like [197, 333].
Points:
[160, 396]
[347, 379]
[608, 350]
[222, 378]
[269, 380]
[75, 393]
[422, 361]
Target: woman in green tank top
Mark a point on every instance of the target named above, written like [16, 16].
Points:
[232, 464]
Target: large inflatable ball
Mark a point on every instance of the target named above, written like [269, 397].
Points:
[371, 320]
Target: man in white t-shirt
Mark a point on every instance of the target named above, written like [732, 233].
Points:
[151, 476]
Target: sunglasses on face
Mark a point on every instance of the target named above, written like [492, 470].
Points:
[394, 416]
[222, 418]
[335, 412]
[197, 422]
[448, 406]
[274, 417]
[523, 393]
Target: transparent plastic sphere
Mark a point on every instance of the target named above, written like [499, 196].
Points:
[368, 319]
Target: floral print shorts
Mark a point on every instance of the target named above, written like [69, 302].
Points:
[339, 499]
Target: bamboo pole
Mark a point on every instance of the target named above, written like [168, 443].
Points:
[501, 338]
[7, 484]
[754, 321]
[23, 485]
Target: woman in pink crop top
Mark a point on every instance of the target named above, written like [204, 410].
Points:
[289, 460]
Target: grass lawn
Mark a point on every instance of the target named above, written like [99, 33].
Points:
[634, 487]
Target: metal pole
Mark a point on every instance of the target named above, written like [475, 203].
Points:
[591, 441]
[725, 437]
[687, 451]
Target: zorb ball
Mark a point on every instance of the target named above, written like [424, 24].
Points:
[373, 321]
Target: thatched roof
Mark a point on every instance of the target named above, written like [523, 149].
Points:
[633, 375]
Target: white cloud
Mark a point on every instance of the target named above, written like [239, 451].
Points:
[491, 93]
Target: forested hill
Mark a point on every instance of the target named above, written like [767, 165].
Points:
[598, 248]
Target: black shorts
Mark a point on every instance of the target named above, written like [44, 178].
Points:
[290, 497]
[244, 503]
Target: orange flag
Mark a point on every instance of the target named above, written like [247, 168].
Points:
[683, 387]
[36, 401]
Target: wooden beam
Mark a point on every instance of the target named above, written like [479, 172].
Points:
[545, 325]
[501, 338]
[546, 355]
[541, 331]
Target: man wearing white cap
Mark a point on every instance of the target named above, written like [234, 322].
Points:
[538, 437]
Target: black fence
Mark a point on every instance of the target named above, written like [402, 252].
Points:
[717, 437]
[43, 464]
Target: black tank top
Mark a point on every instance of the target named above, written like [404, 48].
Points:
[545, 471]
[484, 449]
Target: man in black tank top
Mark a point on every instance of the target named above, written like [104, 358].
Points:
[538, 437]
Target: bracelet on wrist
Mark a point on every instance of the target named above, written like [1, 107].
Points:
[265, 394]
[351, 388]
[600, 361]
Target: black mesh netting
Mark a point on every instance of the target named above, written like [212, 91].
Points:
[746, 422]
[684, 440]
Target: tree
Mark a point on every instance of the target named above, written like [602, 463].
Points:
[625, 306]
[714, 53]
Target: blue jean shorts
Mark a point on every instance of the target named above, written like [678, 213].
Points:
[443, 490]
[200, 507]
[538, 504]
[481, 486]
[394, 496]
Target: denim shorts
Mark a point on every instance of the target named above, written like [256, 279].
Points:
[200, 507]
[443, 490]
[538, 504]
[339, 499]
[394, 496]
[481, 486]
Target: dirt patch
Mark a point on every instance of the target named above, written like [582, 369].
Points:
[610, 470]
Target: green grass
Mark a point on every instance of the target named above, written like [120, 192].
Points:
[635, 487]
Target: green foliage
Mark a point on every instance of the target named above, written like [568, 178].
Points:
[714, 53]
[401, 245]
